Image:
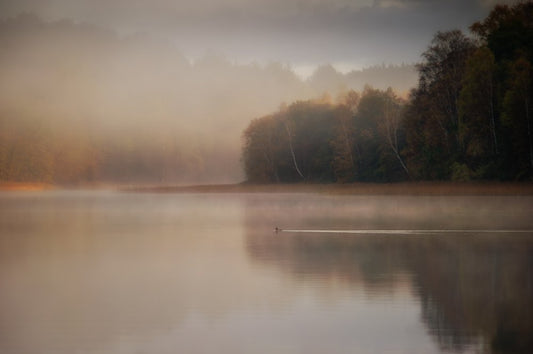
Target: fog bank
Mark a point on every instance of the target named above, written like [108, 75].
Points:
[82, 103]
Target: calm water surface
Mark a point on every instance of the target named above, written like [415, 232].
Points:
[104, 272]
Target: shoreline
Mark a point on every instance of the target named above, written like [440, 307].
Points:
[25, 186]
[402, 188]
[409, 188]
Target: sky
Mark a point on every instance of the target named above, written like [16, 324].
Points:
[350, 34]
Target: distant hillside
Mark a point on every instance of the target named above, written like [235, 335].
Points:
[401, 78]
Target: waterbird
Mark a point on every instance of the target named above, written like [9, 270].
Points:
[277, 229]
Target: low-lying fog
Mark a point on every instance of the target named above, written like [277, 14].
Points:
[81, 104]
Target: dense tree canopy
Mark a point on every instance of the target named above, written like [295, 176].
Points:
[358, 139]
[469, 118]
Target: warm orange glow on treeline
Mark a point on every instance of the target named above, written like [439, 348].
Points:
[18, 186]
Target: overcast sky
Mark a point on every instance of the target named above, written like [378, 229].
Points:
[303, 33]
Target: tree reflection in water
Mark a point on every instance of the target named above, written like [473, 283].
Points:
[471, 287]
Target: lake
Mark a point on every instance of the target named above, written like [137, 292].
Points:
[110, 272]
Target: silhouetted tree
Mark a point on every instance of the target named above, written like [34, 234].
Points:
[478, 119]
[432, 119]
[517, 116]
[468, 118]
[343, 145]
[508, 33]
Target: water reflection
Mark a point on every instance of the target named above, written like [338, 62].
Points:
[108, 273]
[134, 273]
[475, 290]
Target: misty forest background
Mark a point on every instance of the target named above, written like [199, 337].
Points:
[81, 104]
[469, 118]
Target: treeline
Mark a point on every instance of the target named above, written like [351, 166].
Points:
[81, 104]
[469, 118]
[318, 141]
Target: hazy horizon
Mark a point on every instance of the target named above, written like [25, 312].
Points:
[350, 35]
[168, 87]
[105, 96]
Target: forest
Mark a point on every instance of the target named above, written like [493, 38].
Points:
[80, 104]
[468, 118]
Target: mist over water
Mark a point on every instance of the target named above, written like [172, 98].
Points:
[153, 95]
[119, 273]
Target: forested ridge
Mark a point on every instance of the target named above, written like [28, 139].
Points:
[469, 118]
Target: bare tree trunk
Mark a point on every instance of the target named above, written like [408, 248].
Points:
[292, 150]
[401, 161]
[392, 135]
